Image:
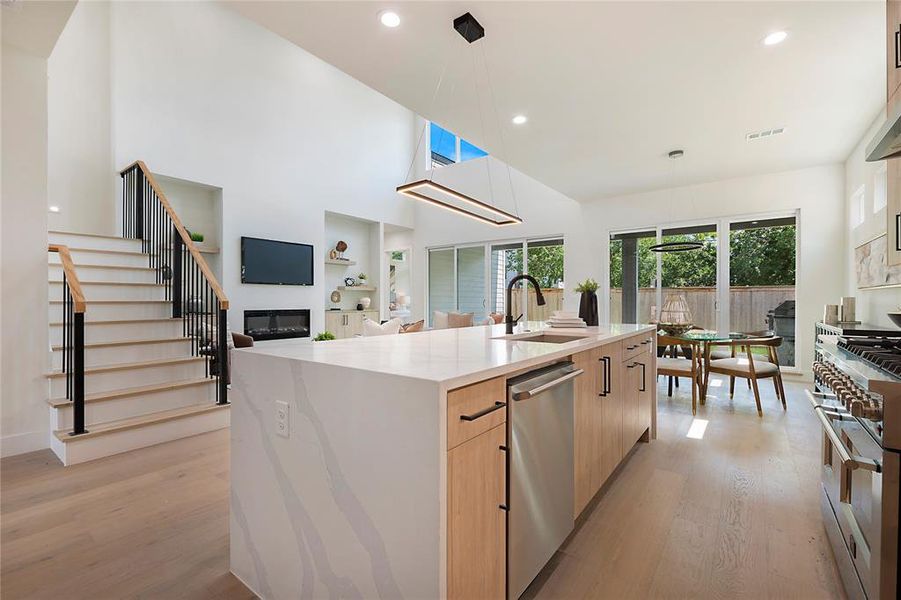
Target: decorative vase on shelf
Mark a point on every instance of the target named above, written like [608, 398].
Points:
[588, 308]
[365, 301]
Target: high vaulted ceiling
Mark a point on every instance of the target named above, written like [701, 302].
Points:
[610, 87]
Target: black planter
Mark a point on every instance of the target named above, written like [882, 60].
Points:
[588, 308]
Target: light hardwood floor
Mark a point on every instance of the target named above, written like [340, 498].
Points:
[731, 515]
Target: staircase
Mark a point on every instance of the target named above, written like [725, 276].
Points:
[147, 367]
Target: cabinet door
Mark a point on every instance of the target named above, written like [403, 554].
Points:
[892, 25]
[632, 382]
[354, 324]
[334, 322]
[476, 521]
[647, 380]
[586, 432]
[610, 416]
[893, 211]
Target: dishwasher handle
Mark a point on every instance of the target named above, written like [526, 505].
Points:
[526, 394]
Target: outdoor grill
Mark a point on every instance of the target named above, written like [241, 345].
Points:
[782, 321]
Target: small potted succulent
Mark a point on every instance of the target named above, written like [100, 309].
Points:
[361, 278]
[588, 304]
[325, 336]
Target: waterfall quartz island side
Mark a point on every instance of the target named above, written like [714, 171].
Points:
[353, 476]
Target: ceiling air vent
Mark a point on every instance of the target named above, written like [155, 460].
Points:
[766, 133]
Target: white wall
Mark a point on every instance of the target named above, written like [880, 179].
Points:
[201, 93]
[199, 207]
[23, 253]
[872, 305]
[818, 194]
[81, 176]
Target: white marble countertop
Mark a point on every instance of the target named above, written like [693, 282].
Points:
[450, 357]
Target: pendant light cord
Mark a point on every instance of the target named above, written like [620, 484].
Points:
[500, 129]
[475, 83]
[431, 107]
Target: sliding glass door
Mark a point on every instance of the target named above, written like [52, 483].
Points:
[741, 279]
[633, 277]
[689, 278]
[762, 275]
[471, 279]
[474, 278]
[442, 280]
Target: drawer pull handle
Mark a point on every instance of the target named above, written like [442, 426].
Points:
[503, 507]
[483, 412]
[631, 347]
[605, 388]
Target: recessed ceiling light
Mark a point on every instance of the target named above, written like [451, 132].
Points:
[389, 18]
[777, 37]
[520, 119]
[54, 209]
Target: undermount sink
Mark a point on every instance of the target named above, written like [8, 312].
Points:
[546, 338]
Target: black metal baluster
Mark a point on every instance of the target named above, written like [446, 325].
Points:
[208, 327]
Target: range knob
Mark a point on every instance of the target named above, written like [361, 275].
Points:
[866, 410]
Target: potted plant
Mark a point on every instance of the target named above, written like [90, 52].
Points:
[588, 304]
[196, 237]
[324, 336]
[362, 278]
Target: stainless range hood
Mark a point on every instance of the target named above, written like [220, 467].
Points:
[887, 143]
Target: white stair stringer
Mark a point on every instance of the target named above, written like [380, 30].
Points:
[143, 386]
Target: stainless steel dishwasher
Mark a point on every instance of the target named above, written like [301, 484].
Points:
[540, 444]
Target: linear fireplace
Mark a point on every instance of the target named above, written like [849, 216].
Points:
[277, 324]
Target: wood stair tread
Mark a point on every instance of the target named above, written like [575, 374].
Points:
[135, 342]
[106, 251]
[127, 268]
[124, 321]
[144, 364]
[91, 302]
[120, 283]
[134, 391]
[94, 235]
[136, 422]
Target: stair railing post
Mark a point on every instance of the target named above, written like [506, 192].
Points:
[78, 391]
[177, 248]
[139, 204]
[222, 358]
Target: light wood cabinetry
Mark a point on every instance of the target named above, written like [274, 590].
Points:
[893, 97]
[586, 426]
[477, 492]
[474, 409]
[348, 323]
[892, 26]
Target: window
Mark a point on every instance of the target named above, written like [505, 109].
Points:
[856, 215]
[446, 148]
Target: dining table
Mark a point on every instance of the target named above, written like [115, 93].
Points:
[705, 338]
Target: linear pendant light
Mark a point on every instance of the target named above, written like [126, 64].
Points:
[442, 196]
[411, 190]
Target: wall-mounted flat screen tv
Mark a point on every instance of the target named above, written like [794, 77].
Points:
[276, 263]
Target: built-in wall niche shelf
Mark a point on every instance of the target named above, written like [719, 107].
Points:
[357, 288]
[338, 261]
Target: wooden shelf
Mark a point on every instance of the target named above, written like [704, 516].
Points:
[343, 263]
[356, 288]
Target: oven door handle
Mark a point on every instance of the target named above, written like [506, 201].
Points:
[813, 396]
[851, 461]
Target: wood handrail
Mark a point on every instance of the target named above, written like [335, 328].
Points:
[186, 238]
[72, 281]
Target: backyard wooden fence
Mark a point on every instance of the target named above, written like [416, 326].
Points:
[748, 305]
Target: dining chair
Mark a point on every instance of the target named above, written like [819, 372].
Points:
[728, 350]
[675, 366]
[744, 364]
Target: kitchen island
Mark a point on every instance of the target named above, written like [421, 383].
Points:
[376, 467]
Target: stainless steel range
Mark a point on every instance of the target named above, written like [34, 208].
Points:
[858, 402]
